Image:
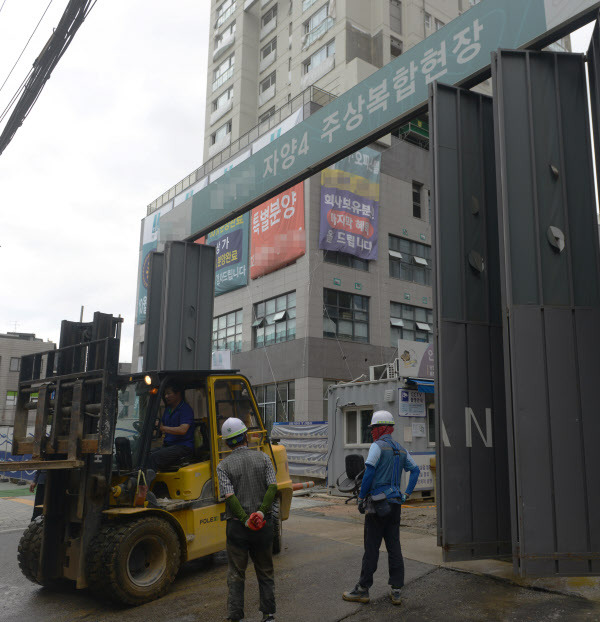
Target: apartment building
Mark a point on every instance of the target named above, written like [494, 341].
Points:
[12, 347]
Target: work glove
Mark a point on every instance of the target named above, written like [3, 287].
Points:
[256, 521]
[403, 497]
[361, 506]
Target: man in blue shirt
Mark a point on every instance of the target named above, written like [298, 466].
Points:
[178, 427]
[383, 469]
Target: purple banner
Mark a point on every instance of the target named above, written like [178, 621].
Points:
[350, 205]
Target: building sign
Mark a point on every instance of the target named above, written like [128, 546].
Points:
[456, 52]
[350, 205]
[276, 132]
[188, 192]
[411, 403]
[426, 479]
[150, 232]
[415, 359]
[277, 235]
[221, 359]
[229, 166]
[231, 264]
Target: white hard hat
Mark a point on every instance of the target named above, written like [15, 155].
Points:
[382, 417]
[232, 427]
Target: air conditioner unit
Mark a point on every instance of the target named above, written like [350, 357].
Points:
[387, 371]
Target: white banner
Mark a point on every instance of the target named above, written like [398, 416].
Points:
[152, 223]
[186, 194]
[232, 164]
[276, 132]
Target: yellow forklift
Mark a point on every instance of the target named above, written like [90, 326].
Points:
[93, 430]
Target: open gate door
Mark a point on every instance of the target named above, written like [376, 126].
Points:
[473, 492]
[551, 294]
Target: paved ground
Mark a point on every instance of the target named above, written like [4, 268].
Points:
[321, 558]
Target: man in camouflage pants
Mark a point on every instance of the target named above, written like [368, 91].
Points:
[247, 481]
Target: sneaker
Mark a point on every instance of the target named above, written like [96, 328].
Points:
[395, 596]
[359, 594]
[268, 617]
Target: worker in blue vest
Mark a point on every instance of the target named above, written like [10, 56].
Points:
[380, 499]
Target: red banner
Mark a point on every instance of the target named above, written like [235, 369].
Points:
[277, 234]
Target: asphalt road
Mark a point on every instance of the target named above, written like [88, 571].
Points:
[311, 573]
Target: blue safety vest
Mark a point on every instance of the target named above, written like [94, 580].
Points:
[389, 468]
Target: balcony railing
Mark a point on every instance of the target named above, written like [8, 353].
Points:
[225, 16]
[316, 33]
[222, 79]
[311, 94]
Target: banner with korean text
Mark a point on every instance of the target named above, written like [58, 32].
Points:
[231, 242]
[350, 205]
[277, 236]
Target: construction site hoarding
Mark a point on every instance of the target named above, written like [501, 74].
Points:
[473, 492]
[550, 264]
[458, 52]
[277, 235]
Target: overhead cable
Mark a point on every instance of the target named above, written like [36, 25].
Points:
[72, 18]
[28, 40]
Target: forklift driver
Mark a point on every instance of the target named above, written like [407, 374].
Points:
[178, 427]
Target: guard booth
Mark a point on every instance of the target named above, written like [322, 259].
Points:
[350, 407]
[517, 267]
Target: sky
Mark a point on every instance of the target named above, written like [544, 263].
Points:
[120, 121]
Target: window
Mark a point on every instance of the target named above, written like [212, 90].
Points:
[410, 261]
[224, 12]
[15, 363]
[223, 98]
[318, 57]
[306, 4]
[439, 24]
[268, 16]
[221, 133]
[223, 72]
[317, 26]
[267, 82]
[395, 47]
[265, 116]
[427, 21]
[345, 316]
[410, 322]
[228, 32]
[396, 16]
[416, 196]
[227, 331]
[274, 320]
[11, 398]
[269, 48]
[431, 425]
[345, 259]
[276, 402]
[356, 426]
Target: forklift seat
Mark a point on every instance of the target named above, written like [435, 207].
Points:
[201, 449]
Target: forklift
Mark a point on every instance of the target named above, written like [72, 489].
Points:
[93, 430]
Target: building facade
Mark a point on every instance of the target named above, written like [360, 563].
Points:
[326, 316]
[12, 347]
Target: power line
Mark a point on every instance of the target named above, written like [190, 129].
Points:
[28, 40]
[72, 18]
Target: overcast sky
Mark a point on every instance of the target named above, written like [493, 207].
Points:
[120, 121]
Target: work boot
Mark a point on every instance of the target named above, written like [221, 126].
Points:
[359, 594]
[395, 595]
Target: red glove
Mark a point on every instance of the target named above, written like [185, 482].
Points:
[256, 521]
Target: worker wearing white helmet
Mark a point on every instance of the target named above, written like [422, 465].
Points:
[380, 499]
[247, 481]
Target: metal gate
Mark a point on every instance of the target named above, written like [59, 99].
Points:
[180, 308]
[551, 296]
[473, 504]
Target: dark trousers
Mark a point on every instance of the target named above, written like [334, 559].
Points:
[388, 529]
[164, 457]
[242, 541]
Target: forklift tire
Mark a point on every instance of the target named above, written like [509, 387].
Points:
[277, 526]
[133, 562]
[29, 549]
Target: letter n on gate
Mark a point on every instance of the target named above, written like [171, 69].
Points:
[470, 418]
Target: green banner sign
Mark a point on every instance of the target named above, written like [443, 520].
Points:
[458, 51]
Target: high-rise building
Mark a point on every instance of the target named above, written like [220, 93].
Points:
[315, 314]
